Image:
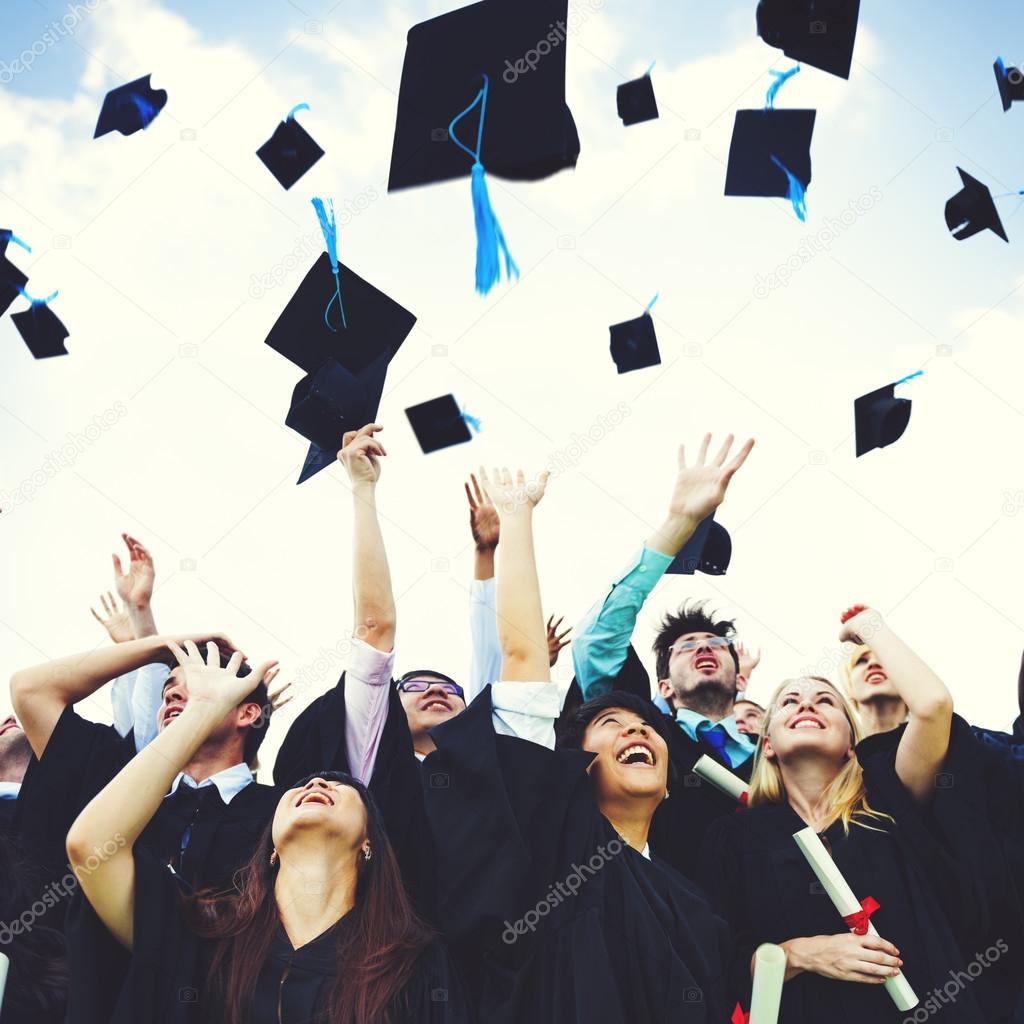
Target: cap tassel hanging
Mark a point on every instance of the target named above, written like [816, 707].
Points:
[471, 421]
[38, 302]
[490, 240]
[330, 232]
[12, 237]
[796, 193]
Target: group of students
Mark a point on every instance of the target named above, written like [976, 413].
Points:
[512, 850]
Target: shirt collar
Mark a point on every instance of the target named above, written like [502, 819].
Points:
[229, 782]
[736, 742]
[9, 790]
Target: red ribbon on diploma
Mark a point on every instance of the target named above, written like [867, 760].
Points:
[858, 922]
[739, 1017]
[744, 797]
[850, 612]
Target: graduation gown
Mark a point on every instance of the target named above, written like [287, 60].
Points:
[8, 808]
[759, 879]
[166, 980]
[316, 742]
[517, 831]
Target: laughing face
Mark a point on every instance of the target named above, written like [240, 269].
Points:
[330, 809]
[175, 697]
[700, 675]
[808, 718]
[431, 707]
[632, 758]
[868, 680]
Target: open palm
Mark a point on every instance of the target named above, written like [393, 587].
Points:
[700, 488]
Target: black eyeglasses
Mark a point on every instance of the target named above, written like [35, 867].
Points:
[421, 685]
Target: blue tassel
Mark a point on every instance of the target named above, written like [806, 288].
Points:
[471, 421]
[910, 376]
[38, 302]
[295, 110]
[650, 305]
[781, 77]
[12, 237]
[330, 233]
[147, 112]
[796, 190]
[490, 239]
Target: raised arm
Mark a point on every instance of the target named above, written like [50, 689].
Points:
[41, 693]
[521, 630]
[135, 587]
[371, 578]
[123, 808]
[484, 525]
[924, 744]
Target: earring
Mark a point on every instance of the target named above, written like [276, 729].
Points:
[367, 853]
[273, 859]
[665, 797]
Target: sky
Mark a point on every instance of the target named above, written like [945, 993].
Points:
[167, 418]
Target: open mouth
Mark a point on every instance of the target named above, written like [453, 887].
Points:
[876, 676]
[637, 753]
[806, 722]
[706, 661]
[173, 712]
[315, 796]
[436, 704]
[8, 724]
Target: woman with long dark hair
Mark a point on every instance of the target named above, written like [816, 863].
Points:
[317, 927]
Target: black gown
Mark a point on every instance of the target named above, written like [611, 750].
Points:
[758, 877]
[511, 822]
[165, 980]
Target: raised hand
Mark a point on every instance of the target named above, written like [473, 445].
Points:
[361, 453]
[699, 489]
[513, 497]
[859, 624]
[135, 587]
[484, 523]
[748, 660]
[209, 684]
[116, 621]
[555, 639]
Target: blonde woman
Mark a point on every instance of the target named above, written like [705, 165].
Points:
[870, 812]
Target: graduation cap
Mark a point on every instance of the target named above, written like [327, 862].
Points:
[130, 108]
[41, 328]
[635, 100]
[634, 345]
[440, 423]
[12, 282]
[770, 152]
[972, 210]
[520, 47]
[290, 151]
[708, 550]
[880, 418]
[1010, 81]
[816, 32]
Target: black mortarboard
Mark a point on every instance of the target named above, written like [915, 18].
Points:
[759, 135]
[816, 32]
[972, 210]
[880, 418]
[529, 132]
[1010, 81]
[709, 550]
[438, 423]
[635, 101]
[376, 326]
[42, 330]
[12, 280]
[634, 344]
[290, 151]
[7, 236]
[130, 108]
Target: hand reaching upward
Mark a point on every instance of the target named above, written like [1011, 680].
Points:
[510, 497]
[484, 523]
[361, 454]
[135, 587]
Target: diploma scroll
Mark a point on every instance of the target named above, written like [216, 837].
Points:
[769, 974]
[720, 777]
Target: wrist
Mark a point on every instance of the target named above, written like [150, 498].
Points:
[673, 533]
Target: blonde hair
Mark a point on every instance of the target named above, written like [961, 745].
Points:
[846, 671]
[845, 796]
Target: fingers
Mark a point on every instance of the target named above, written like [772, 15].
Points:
[234, 662]
[561, 635]
[179, 655]
[741, 455]
[480, 497]
[702, 454]
[469, 495]
[95, 616]
[118, 573]
[682, 456]
[260, 674]
[724, 450]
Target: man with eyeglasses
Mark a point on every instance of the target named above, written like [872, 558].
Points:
[698, 669]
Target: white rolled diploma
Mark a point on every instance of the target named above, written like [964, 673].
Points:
[769, 974]
[720, 777]
[4, 964]
[846, 903]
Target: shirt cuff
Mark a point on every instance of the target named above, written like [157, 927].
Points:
[369, 665]
[644, 571]
[483, 592]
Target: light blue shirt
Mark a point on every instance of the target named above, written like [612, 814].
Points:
[229, 782]
[738, 747]
[9, 790]
[603, 635]
[483, 628]
[135, 700]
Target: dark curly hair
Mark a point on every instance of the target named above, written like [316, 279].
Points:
[692, 617]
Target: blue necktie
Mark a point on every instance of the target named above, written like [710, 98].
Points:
[714, 736]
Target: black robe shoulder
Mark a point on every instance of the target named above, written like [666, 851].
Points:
[553, 917]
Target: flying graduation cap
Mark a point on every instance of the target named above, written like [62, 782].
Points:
[440, 423]
[972, 210]
[709, 551]
[635, 100]
[634, 345]
[770, 152]
[816, 32]
[12, 280]
[1010, 81]
[290, 151]
[130, 108]
[41, 328]
[880, 418]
